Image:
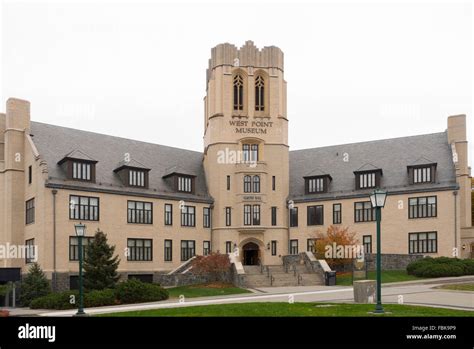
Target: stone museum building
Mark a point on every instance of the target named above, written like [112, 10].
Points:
[246, 191]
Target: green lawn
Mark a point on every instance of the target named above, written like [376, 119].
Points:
[294, 310]
[459, 287]
[387, 276]
[205, 290]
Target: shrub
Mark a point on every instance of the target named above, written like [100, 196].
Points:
[131, 291]
[100, 298]
[57, 300]
[215, 265]
[34, 285]
[135, 291]
[440, 266]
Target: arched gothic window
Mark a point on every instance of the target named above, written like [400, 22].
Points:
[256, 184]
[259, 94]
[247, 184]
[238, 92]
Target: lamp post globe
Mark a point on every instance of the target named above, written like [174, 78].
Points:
[377, 199]
[80, 230]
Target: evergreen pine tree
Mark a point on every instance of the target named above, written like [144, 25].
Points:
[100, 265]
[34, 285]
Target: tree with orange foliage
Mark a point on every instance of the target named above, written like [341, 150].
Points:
[216, 265]
[335, 236]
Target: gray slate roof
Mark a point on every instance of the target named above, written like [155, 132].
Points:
[54, 142]
[392, 156]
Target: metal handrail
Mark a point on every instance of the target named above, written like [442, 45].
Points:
[272, 278]
[294, 270]
[268, 271]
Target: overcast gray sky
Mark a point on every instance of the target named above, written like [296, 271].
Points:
[355, 72]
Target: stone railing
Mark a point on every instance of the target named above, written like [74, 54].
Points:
[391, 261]
[312, 264]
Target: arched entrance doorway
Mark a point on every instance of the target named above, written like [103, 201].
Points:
[250, 252]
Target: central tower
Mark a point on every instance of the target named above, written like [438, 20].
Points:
[246, 151]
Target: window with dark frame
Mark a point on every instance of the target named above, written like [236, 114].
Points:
[185, 184]
[238, 84]
[74, 246]
[30, 251]
[363, 212]
[254, 152]
[206, 217]
[140, 249]
[422, 174]
[315, 215]
[336, 214]
[168, 255]
[206, 248]
[228, 247]
[30, 174]
[274, 215]
[139, 212]
[274, 247]
[250, 152]
[255, 214]
[273, 183]
[30, 211]
[422, 207]
[168, 214]
[367, 242]
[367, 180]
[247, 184]
[259, 93]
[256, 184]
[311, 245]
[188, 216]
[83, 208]
[228, 216]
[426, 242]
[228, 182]
[82, 170]
[136, 178]
[294, 217]
[188, 249]
[293, 247]
[315, 185]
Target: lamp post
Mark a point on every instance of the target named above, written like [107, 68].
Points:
[377, 199]
[80, 232]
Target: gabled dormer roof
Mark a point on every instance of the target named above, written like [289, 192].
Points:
[134, 164]
[368, 167]
[77, 154]
[178, 170]
[422, 161]
[317, 173]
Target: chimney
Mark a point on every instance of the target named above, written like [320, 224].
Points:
[458, 141]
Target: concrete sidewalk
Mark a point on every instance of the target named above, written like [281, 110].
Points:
[419, 292]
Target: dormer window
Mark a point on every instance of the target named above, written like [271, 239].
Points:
[422, 174]
[82, 170]
[317, 184]
[185, 184]
[133, 174]
[78, 166]
[368, 179]
[180, 179]
[136, 178]
[422, 171]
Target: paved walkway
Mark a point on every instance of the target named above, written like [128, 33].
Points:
[412, 292]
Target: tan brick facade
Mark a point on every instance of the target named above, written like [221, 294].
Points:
[230, 125]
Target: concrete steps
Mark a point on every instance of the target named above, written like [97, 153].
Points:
[277, 276]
